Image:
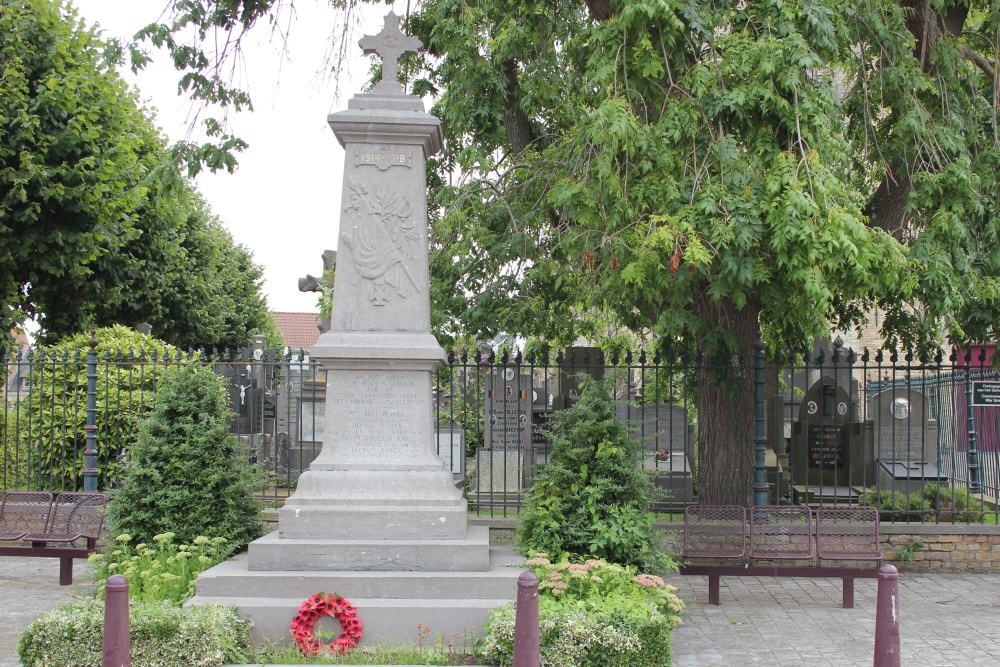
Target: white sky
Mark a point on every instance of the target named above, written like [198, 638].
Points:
[283, 201]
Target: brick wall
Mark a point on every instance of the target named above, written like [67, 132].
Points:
[946, 547]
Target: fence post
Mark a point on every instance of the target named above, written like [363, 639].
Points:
[760, 434]
[972, 453]
[117, 651]
[526, 647]
[887, 618]
[90, 448]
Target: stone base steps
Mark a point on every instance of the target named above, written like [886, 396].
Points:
[469, 553]
[391, 604]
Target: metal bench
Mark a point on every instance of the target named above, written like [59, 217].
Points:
[794, 540]
[40, 524]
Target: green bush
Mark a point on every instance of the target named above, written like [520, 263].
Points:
[57, 403]
[159, 571]
[161, 635]
[185, 474]
[594, 614]
[13, 449]
[934, 501]
[592, 498]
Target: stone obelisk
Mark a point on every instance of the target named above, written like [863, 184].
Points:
[377, 516]
[377, 475]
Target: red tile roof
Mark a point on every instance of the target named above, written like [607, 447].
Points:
[299, 329]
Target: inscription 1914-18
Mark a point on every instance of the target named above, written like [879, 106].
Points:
[826, 445]
[383, 159]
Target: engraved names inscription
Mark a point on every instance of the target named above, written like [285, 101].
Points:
[379, 415]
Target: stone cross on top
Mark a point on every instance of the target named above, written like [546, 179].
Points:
[389, 45]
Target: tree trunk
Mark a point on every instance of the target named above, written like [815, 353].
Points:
[726, 409]
[887, 208]
[516, 123]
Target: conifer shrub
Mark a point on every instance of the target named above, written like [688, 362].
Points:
[592, 498]
[185, 474]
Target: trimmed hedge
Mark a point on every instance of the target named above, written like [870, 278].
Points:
[161, 635]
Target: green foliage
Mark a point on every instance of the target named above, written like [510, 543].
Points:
[941, 502]
[909, 552]
[592, 613]
[103, 228]
[55, 411]
[71, 140]
[161, 571]
[592, 498]
[14, 450]
[185, 474]
[161, 635]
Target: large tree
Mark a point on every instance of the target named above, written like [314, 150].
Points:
[96, 223]
[713, 172]
[722, 172]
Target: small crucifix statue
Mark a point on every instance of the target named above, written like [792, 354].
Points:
[389, 45]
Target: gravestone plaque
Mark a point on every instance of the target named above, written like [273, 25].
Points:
[508, 410]
[827, 445]
[905, 440]
[668, 443]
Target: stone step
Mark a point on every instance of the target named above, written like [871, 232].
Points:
[386, 621]
[469, 554]
[233, 579]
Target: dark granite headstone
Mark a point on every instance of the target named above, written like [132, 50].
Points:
[827, 454]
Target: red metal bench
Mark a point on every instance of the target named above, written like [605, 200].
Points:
[825, 542]
[31, 522]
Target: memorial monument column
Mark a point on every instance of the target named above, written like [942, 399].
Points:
[377, 474]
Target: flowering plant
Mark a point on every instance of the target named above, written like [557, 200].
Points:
[316, 607]
[593, 613]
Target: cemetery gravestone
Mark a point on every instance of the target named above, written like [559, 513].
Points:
[504, 462]
[667, 442]
[905, 440]
[828, 455]
[577, 364]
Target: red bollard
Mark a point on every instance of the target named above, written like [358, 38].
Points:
[887, 618]
[117, 651]
[526, 647]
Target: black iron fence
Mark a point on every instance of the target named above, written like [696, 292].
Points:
[917, 435]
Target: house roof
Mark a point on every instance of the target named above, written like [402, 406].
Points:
[299, 329]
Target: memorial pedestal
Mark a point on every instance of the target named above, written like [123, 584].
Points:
[377, 517]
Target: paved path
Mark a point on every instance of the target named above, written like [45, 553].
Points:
[945, 621]
[28, 588]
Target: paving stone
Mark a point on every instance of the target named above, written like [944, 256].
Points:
[944, 620]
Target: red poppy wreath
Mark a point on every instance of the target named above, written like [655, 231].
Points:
[316, 607]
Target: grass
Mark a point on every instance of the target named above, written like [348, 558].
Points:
[451, 650]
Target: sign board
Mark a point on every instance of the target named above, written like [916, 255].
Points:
[986, 393]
